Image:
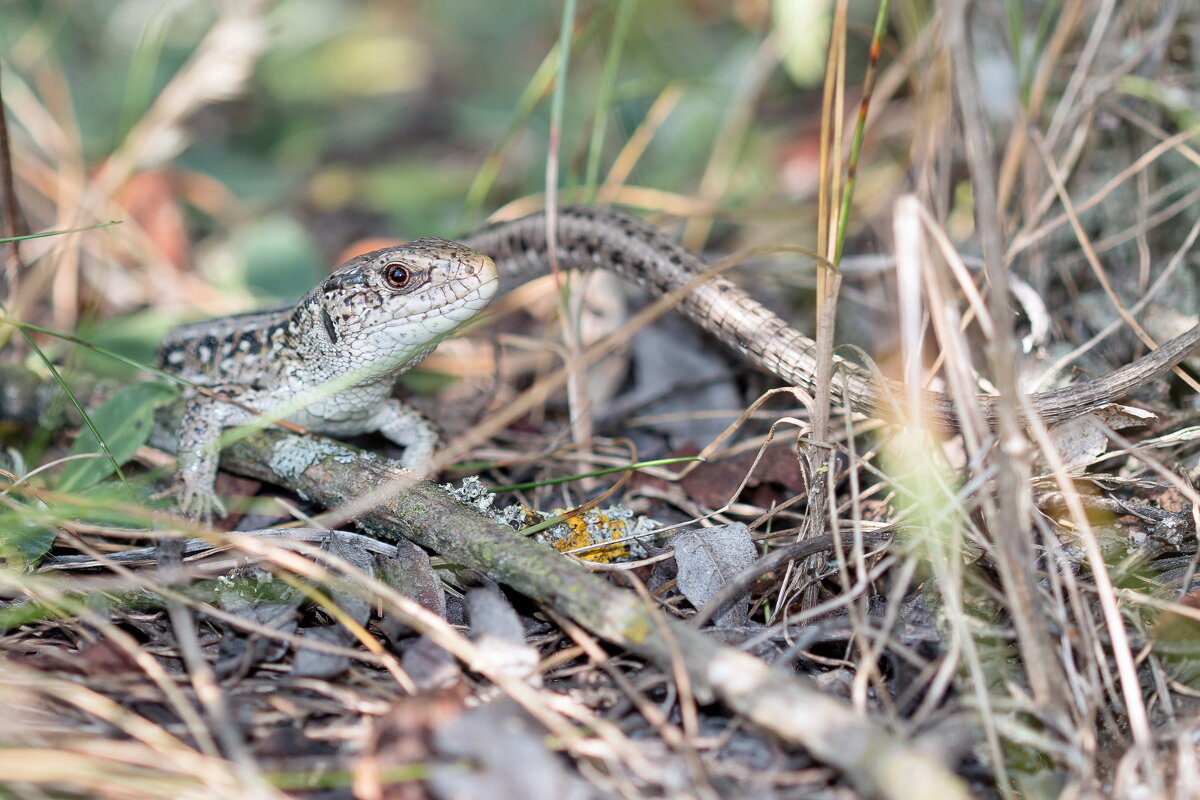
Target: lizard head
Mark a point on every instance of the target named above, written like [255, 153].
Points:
[382, 312]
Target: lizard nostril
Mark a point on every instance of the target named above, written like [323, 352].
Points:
[483, 266]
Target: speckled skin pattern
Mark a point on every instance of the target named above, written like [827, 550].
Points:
[329, 362]
[600, 237]
[339, 350]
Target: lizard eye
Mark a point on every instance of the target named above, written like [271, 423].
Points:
[397, 275]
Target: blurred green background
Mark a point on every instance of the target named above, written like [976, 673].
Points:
[389, 119]
[376, 117]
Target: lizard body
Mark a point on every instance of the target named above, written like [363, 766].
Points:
[591, 237]
[335, 355]
[329, 362]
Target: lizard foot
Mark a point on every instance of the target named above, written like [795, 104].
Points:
[197, 505]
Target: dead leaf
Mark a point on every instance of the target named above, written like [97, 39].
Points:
[402, 738]
[500, 637]
[1080, 441]
[708, 558]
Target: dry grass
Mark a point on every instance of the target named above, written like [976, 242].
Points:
[1032, 620]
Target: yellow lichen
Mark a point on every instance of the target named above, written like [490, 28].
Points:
[590, 529]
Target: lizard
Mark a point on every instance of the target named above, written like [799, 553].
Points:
[336, 354]
[328, 363]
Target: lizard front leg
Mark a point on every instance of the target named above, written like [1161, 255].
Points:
[199, 448]
[197, 453]
[408, 428]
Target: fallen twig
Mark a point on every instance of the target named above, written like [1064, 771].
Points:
[330, 473]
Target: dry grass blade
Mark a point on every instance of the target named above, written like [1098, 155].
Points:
[942, 613]
[218, 70]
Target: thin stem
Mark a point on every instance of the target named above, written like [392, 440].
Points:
[604, 96]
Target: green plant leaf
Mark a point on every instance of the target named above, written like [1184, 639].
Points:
[27, 532]
[124, 421]
[24, 540]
